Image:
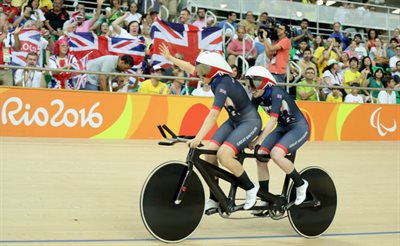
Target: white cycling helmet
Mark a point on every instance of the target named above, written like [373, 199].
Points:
[210, 64]
[259, 77]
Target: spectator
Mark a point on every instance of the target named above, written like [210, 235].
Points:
[352, 75]
[133, 31]
[303, 34]
[396, 34]
[264, 20]
[351, 51]
[393, 61]
[37, 14]
[341, 35]
[387, 96]
[26, 16]
[203, 90]
[330, 75]
[235, 47]
[318, 42]
[360, 49]
[133, 14]
[344, 62]
[299, 51]
[378, 54]
[210, 21]
[374, 82]
[30, 78]
[146, 35]
[249, 24]
[235, 72]
[278, 53]
[231, 25]
[390, 52]
[366, 64]
[337, 47]
[62, 60]
[178, 86]
[154, 85]
[45, 41]
[354, 97]
[55, 19]
[201, 21]
[322, 55]
[184, 17]
[106, 64]
[114, 11]
[396, 74]
[335, 96]
[120, 84]
[104, 30]
[69, 27]
[85, 25]
[308, 93]
[372, 35]
[306, 62]
[7, 41]
[262, 58]
[10, 10]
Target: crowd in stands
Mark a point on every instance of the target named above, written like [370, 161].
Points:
[339, 59]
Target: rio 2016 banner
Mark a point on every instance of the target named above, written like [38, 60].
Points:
[97, 115]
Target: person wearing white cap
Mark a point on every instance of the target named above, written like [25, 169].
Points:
[330, 75]
[237, 132]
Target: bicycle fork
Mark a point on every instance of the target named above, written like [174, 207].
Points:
[183, 187]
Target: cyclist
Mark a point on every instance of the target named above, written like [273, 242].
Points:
[243, 125]
[291, 132]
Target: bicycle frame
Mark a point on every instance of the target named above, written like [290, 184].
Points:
[227, 203]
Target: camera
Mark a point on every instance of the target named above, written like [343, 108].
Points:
[272, 33]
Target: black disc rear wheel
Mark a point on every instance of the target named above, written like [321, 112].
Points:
[311, 222]
[165, 220]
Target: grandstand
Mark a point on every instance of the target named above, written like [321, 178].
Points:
[356, 17]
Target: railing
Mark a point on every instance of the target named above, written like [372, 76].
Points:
[175, 77]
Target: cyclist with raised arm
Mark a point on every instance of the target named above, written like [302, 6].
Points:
[291, 131]
[243, 125]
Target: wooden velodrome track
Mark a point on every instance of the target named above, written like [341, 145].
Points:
[86, 192]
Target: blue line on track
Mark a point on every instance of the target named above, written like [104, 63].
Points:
[197, 238]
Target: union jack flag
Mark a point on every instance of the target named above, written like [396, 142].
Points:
[29, 39]
[186, 39]
[84, 43]
[81, 79]
[132, 47]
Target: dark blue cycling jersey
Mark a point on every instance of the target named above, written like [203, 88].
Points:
[231, 95]
[292, 130]
[244, 122]
[278, 103]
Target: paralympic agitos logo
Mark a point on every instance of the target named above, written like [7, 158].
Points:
[375, 122]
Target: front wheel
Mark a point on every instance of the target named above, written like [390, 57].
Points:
[165, 220]
[310, 221]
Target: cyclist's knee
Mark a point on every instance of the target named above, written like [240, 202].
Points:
[277, 154]
[225, 153]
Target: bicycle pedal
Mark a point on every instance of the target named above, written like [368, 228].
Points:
[211, 211]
